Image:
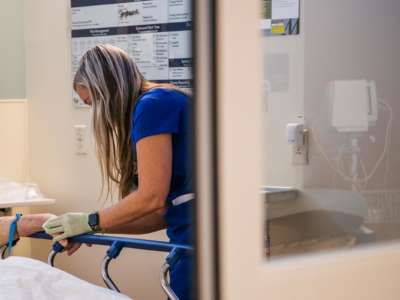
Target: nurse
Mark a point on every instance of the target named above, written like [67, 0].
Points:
[143, 136]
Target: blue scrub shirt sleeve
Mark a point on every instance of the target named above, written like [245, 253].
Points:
[155, 116]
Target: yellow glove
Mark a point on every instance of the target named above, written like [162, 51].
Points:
[67, 225]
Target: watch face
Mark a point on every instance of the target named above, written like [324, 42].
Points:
[94, 219]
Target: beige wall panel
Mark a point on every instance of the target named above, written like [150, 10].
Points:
[13, 140]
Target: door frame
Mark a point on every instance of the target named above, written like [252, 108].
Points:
[236, 216]
[206, 238]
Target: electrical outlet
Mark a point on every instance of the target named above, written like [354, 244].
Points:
[300, 152]
[80, 135]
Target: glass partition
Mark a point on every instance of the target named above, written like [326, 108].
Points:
[331, 113]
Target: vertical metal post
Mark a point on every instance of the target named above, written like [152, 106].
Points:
[165, 268]
[106, 276]
[113, 252]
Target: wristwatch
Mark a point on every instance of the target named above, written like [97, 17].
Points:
[94, 221]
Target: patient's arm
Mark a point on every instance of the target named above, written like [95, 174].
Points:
[26, 226]
[30, 224]
[150, 223]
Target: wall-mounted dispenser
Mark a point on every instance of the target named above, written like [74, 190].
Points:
[297, 136]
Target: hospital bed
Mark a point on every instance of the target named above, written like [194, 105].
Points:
[115, 246]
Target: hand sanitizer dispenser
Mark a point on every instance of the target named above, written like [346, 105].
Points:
[295, 134]
[297, 137]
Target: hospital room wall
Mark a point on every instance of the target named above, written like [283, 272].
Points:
[14, 152]
[14, 140]
[12, 63]
[343, 43]
[283, 94]
[73, 180]
[337, 41]
[13, 106]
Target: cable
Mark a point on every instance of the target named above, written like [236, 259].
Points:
[387, 161]
[364, 172]
[379, 161]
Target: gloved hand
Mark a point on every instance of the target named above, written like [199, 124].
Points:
[67, 225]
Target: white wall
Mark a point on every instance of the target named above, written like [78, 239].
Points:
[342, 43]
[14, 140]
[13, 106]
[14, 152]
[337, 41]
[283, 58]
[12, 77]
[72, 180]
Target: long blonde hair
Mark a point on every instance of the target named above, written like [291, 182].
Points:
[114, 83]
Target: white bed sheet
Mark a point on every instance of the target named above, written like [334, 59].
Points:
[28, 279]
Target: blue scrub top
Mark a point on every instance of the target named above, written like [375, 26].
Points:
[167, 111]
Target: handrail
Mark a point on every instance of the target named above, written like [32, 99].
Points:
[116, 244]
[107, 240]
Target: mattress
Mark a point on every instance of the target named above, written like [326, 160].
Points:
[28, 279]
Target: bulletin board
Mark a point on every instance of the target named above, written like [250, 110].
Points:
[156, 33]
[280, 17]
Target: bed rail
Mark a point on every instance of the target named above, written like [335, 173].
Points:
[116, 244]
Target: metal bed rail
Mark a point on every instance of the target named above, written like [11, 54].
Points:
[116, 244]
